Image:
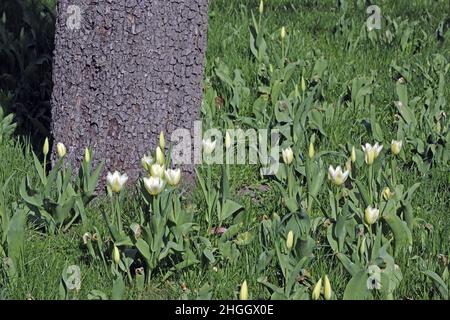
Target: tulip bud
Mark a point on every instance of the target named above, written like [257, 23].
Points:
[261, 7]
[243, 294]
[283, 33]
[353, 156]
[317, 289]
[387, 193]
[288, 156]
[362, 248]
[146, 162]
[159, 156]
[275, 216]
[227, 140]
[290, 240]
[162, 141]
[61, 149]
[87, 155]
[4, 17]
[327, 288]
[311, 150]
[116, 255]
[46, 147]
[396, 147]
[303, 84]
[371, 215]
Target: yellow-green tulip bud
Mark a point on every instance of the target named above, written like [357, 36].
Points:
[290, 240]
[303, 84]
[146, 162]
[162, 141]
[387, 193]
[227, 140]
[46, 147]
[327, 292]
[317, 290]
[243, 294]
[353, 156]
[116, 255]
[87, 155]
[61, 149]
[261, 7]
[159, 156]
[362, 248]
[311, 151]
[283, 33]
[396, 147]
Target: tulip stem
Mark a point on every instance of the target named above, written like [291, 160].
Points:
[370, 183]
[393, 168]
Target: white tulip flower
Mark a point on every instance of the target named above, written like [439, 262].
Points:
[154, 185]
[173, 177]
[157, 170]
[337, 175]
[208, 146]
[371, 215]
[371, 152]
[116, 181]
[288, 156]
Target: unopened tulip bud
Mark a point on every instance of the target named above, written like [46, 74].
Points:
[159, 156]
[303, 84]
[290, 240]
[243, 294]
[162, 141]
[283, 33]
[371, 215]
[311, 151]
[387, 193]
[396, 147]
[46, 147]
[317, 289]
[61, 149]
[353, 156]
[227, 140]
[288, 156]
[116, 255]
[87, 155]
[261, 7]
[327, 292]
[362, 248]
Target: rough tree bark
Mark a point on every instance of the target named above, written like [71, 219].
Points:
[131, 69]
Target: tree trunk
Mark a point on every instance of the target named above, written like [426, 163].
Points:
[125, 71]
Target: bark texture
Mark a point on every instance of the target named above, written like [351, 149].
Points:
[133, 68]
